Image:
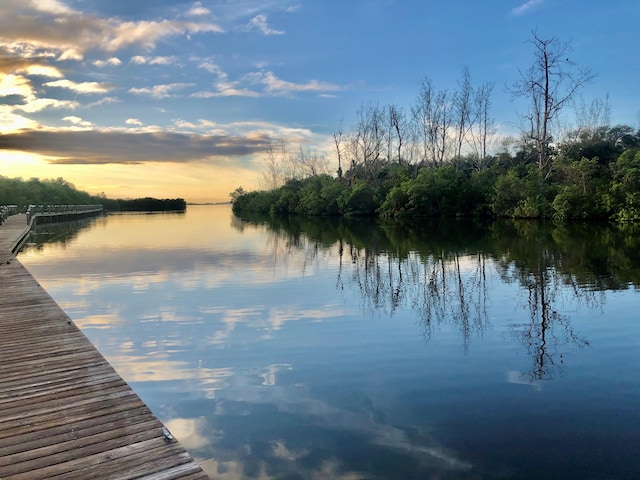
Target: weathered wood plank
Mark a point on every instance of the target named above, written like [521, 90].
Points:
[64, 411]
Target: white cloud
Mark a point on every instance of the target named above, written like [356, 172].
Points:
[69, 33]
[212, 68]
[82, 87]
[103, 101]
[111, 62]
[52, 6]
[20, 86]
[43, 70]
[39, 104]
[226, 90]
[271, 85]
[16, 85]
[77, 121]
[160, 91]
[259, 22]
[11, 122]
[162, 60]
[133, 121]
[526, 7]
[277, 86]
[198, 10]
[138, 59]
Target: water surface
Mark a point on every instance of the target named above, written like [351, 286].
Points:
[318, 348]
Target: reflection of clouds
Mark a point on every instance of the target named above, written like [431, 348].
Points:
[364, 422]
[271, 321]
[271, 371]
[99, 321]
[229, 319]
[189, 431]
[81, 286]
[73, 304]
[235, 470]
[278, 316]
[517, 377]
[157, 369]
[280, 450]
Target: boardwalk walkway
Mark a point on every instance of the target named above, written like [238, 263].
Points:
[64, 411]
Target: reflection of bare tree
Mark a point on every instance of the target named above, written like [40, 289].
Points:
[445, 285]
[548, 333]
[441, 287]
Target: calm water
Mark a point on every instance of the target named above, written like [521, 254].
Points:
[323, 349]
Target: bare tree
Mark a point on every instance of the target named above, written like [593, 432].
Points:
[462, 109]
[593, 118]
[309, 163]
[482, 126]
[432, 114]
[274, 174]
[398, 131]
[337, 140]
[548, 84]
[367, 140]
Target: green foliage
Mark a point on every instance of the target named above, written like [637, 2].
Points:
[578, 187]
[625, 187]
[16, 191]
[149, 204]
[358, 200]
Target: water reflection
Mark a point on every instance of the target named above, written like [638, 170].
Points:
[439, 269]
[323, 348]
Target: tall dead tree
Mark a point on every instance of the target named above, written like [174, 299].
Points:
[548, 84]
[432, 114]
[462, 107]
[482, 125]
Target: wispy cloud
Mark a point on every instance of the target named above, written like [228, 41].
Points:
[198, 10]
[248, 129]
[77, 121]
[526, 7]
[160, 60]
[111, 62]
[82, 87]
[27, 100]
[160, 91]
[259, 22]
[277, 86]
[16, 65]
[50, 27]
[257, 84]
[52, 6]
[39, 104]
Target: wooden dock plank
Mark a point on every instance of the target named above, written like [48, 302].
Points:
[64, 411]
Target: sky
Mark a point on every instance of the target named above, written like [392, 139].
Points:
[170, 98]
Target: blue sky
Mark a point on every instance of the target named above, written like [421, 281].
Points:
[170, 98]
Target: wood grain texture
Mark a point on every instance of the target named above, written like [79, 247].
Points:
[64, 411]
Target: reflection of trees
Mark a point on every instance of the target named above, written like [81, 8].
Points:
[545, 272]
[436, 285]
[61, 232]
[439, 269]
[548, 332]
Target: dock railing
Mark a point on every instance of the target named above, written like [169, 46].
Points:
[6, 211]
[48, 213]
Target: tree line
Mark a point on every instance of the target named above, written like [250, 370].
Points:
[16, 191]
[442, 157]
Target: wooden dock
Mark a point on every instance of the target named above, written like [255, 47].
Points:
[64, 411]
